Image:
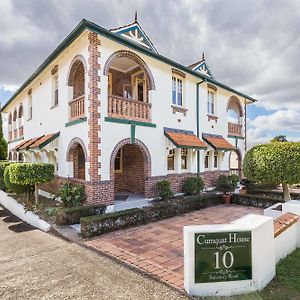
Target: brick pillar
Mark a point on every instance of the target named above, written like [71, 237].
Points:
[97, 191]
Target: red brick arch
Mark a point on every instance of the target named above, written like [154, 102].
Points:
[142, 147]
[72, 145]
[137, 59]
[235, 104]
[240, 160]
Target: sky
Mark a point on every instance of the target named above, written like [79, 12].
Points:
[252, 46]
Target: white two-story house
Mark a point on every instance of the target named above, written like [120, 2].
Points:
[111, 113]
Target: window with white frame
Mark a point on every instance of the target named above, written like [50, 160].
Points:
[171, 160]
[55, 89]
[206, 160]
[216, 159]
[177, 91]
[184, 159]
[211, 102]
[30, 104]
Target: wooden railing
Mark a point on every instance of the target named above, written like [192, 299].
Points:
[21, 131]
[120, 107]
[234, 129]
[76, 108]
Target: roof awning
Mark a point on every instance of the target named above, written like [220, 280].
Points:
[44, 140]
[217, 142]
[38, 142]
[184, 139]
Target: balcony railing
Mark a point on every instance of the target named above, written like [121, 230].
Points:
[120, 107]
[10, 136]
[234, 129]
[77, 108]
[21, 131]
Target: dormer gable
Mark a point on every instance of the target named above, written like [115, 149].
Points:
[202, 67]
[135, 33]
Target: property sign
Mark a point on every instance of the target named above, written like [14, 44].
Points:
[223, 256]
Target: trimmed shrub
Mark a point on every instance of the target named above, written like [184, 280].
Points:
[224, 184]
[193, 185]
[3, 165]
[234, 179]
[31, 174]
[16, 188]
[164, 189]
[276, 163]
[97, 225]
[71, 194]
[72, 215]
[254, 200]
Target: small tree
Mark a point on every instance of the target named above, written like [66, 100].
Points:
[277, 163]
[3, 143]
[281, 138]
[31, 174]
[225, 184]
[193, 185]
[164, 189]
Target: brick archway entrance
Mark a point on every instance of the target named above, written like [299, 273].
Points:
[235, 162]
[130, 167]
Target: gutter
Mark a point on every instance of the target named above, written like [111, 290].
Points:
[197, 122]
[87, 25]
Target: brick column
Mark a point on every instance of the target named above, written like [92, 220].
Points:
[97, 191]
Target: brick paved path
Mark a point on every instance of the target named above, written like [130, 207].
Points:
[157, 248]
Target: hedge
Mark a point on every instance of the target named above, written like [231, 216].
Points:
[72, 215]
[31, 173]
[3, 165]
[254, 200]
[97, 225]
[272, 194]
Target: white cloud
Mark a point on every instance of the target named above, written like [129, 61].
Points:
[9, 88]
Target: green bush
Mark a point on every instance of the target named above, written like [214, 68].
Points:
[234, 179]
[193, 185]
[164, 189]
[277, 163]
[71, 194]
[3, 165]
[72, 215]
[224, 184]
[13, 187]
[31, 174]
[3, 149]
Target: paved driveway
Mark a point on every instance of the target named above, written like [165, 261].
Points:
[157, 248]
[37, 265]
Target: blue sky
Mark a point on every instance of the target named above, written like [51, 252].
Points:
[250, 45]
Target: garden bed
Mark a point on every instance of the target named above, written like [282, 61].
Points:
[97, 225]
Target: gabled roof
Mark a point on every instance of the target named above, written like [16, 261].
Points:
[201, 66]
[87, 25]
[136, 34]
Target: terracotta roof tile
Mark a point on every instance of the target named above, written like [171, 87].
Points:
[217, 142]
[184, 139]
[28, 143]
[19, 145]
[283, 222]
[44, 140]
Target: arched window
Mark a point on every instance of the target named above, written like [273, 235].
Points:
[10, 127]
[76, 80]
[14, 125]
[235, 116]
[21, 121]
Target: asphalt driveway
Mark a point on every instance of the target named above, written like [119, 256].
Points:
[37, 265]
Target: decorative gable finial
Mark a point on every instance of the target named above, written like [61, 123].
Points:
[135, 17]
[203, 58]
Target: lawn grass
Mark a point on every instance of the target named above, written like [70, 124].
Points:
[285, 286]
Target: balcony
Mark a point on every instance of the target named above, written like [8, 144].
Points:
[119, 107]
[76, 108]
[234, 129]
